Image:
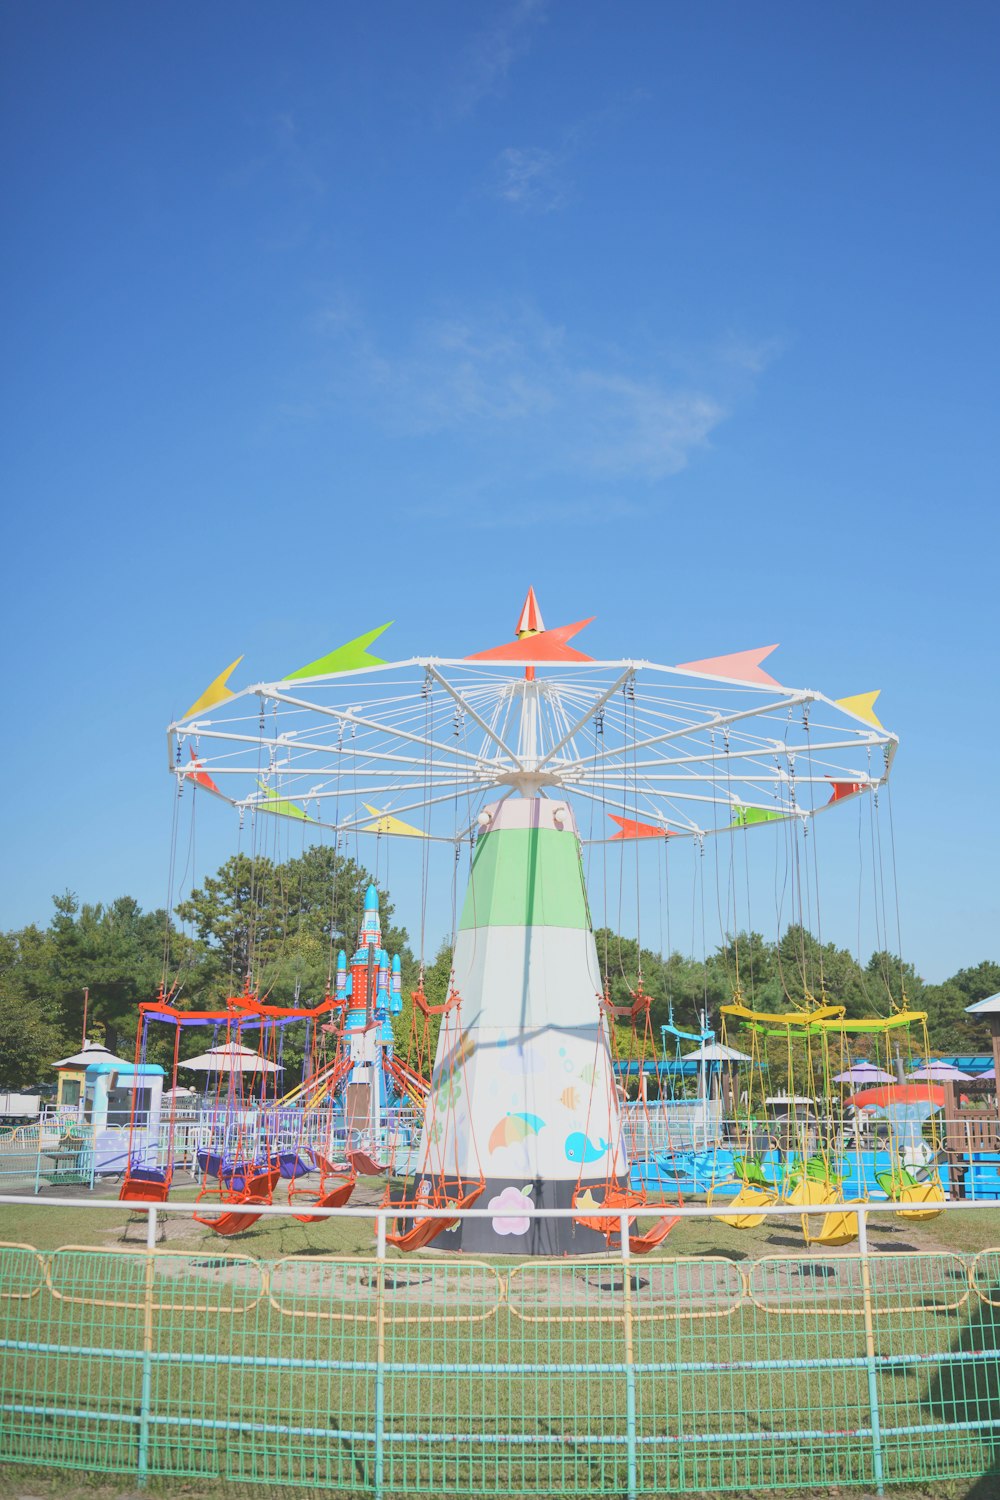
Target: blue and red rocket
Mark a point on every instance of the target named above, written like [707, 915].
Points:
[371, 987]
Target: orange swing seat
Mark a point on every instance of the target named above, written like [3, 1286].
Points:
[235, 1218]
[332, 1197]
[423, 1231]
[624, 1198]
[139, 1189]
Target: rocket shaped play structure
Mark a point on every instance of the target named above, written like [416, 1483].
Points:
[371, 988]
[532, 1088]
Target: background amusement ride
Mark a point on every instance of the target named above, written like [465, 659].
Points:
[533, 772]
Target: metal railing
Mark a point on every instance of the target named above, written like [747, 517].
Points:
[64, 1153]
[439, 1374]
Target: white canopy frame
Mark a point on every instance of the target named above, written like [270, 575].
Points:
[682, 753]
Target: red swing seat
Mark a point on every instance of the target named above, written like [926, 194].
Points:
[335, 1198]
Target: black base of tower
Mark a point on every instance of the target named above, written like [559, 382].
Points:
[543, 1236]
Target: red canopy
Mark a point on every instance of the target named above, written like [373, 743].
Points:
[899, 1093]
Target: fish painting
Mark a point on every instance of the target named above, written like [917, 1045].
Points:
[580, 1148]
[588, 1073]
[570, 1098]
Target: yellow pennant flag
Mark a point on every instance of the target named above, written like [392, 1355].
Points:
[386, 823]
[216, 692]
[862, 706]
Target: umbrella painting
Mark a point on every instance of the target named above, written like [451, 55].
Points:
[513, 1129]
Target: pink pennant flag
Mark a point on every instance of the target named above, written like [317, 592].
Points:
[743, 666]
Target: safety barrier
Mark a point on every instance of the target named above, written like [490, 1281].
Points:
[389, 1375]
[47, 1154]
[59, 1152]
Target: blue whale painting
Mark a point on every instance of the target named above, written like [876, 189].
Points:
[580, 1148]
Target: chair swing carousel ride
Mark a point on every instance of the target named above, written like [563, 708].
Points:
[537, 773]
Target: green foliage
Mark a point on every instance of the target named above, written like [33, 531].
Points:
[29, 1042]
[951, 1029]
[778, 976]
[414, 1041]
[279, 925]
[114, 951]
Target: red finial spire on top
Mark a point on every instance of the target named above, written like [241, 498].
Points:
[534, 642]
[531, 622]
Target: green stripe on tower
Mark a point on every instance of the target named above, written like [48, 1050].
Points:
[526, 877]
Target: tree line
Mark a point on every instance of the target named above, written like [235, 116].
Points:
[277, 926]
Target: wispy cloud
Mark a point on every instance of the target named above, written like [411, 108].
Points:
[536, 178]
[482, 509]
[509, 382]
[487, 60]
[752, 356]
[297, 188]
[528, 178]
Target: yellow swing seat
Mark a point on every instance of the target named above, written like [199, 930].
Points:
[920, 1192]
[750, 1199]
[838, 1228]
[900, 1186]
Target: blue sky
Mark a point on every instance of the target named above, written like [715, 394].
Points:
[320, 315]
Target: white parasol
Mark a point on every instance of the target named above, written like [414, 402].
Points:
[231, 1057]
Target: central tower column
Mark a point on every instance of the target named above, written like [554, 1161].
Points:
[535, 1096]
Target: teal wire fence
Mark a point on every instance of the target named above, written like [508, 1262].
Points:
[459, 1377]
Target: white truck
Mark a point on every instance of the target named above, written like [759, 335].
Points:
[17, 1109]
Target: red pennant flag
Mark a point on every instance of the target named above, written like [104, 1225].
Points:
[200, 777]
[548, 645]
[844, 789]
[632, 830]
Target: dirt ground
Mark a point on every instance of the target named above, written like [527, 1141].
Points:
[42, 1486]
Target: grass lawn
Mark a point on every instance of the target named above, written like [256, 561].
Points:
[508, 1378]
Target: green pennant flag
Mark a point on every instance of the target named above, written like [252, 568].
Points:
[273, 803]
[346, 658]
[747, 815]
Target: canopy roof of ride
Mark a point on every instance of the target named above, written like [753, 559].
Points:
[124, 1071]
[416, 748]
[988, 1007]
[93, 1052]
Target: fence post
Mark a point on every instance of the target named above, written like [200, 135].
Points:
[147, 1350]
[380, 1358]
[866, 1295]
[632, 1485]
